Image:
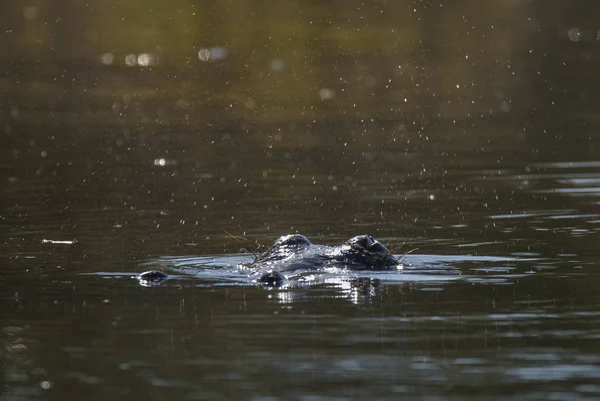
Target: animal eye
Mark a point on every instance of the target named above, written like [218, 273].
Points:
[292, 240]
[361, 241]
[367, 241]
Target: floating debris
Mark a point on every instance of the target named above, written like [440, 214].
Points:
[52, 241]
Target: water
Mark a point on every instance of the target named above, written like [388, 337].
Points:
[523, 326]
[183, 138]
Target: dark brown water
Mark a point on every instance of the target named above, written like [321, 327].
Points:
[152, 135]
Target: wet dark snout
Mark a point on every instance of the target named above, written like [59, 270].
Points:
[370, 246]
[271, 279]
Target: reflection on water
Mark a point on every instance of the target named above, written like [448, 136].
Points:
[552, 182]
[174, 136]
[492, 310]
[399, 340]
[420, 268]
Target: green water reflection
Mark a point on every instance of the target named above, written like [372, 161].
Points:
[149, 131]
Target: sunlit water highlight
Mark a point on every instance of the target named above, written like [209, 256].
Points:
[237, 269]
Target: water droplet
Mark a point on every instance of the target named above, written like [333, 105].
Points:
[326, 93]
[574, 34]
[46, 385]
[131, 60]
[277, 64]
[107, 58]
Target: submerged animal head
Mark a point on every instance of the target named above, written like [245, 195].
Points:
[362, 252]
[365, 252]
[284, 247]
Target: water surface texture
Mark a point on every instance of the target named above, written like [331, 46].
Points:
[182, 135]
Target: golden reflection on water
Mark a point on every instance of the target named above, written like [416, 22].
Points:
[141, 130]
[386, 60]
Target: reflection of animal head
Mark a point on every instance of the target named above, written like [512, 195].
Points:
[358, 290]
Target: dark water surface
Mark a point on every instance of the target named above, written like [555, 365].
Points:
[138, 136]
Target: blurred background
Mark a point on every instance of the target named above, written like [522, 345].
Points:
[251, 118]
[142, 131]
